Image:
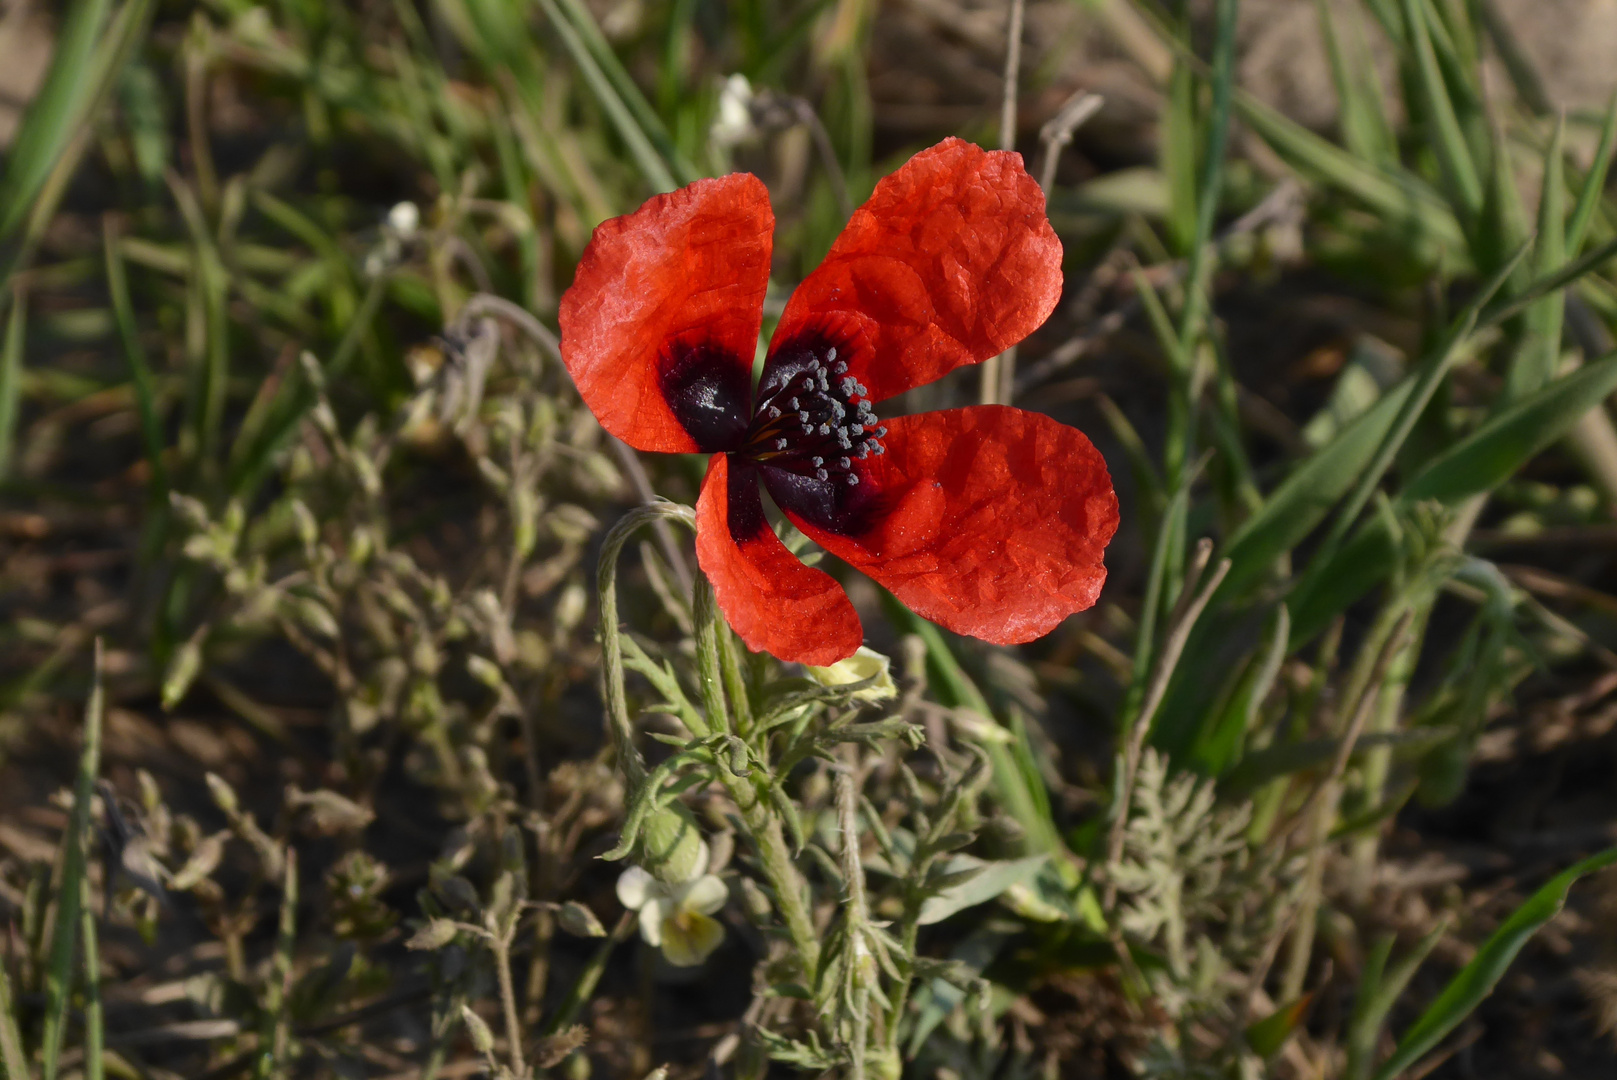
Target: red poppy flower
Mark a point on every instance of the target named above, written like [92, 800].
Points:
[989, 520]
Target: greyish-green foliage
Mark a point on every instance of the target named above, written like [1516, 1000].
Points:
[414, 741]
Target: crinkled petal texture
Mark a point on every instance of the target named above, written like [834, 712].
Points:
[660, 326]
[950, 262]
[990, 521]
[776, 603]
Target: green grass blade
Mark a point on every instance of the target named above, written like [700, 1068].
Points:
[70, 895]
[1430, 375]
[1540, 353]
[1397, 195]
[211, 374]
[1301, 502]
[1179, 159]
[11, 379]
[1211, 186]
[1477, 979]
[1362, 111]
[1594, 184]
[13, 1059]
[95, 1036]
[1379, 990]
[151, 427]
[1448, 140]
[54, 118]
[1494, 452]
[652, 165]
[627, 90]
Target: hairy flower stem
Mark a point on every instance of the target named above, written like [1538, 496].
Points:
[606, 580]
[762, 824]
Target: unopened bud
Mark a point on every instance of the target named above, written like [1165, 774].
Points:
[579, 920]
[477, 1028]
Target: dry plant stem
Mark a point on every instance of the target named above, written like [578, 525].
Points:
[515, 314]
[1199, 589]
[828, 154]
[855, 910]
[1056, 134]
[1320, 811]
[997, 371]
[501, 945]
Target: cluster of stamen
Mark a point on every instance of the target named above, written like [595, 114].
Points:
[818, 423]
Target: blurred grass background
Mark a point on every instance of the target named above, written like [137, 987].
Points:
[1338, 299]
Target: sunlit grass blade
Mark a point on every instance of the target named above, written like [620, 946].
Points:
[95, 81]
[56, 113]
[1536, 360]
[1594, 184]
[1448, 139]
[1430, 374]
[652, 166]
[59, 970]
[627, 90]
[1301, 502]
[13, 1059]
[1401, 197]
[1493, 453]
[1363, 114]
[1477, 979]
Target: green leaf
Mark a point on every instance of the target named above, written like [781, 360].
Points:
[991, 879]
[70, 893]
[1491, 455]
[56, 114]
[1540, 352]
[1268, 1035]
[1594, 184]
[11, 378]
[1301, 502]
[1478, 978]
[1378, 992]
[1448, 140]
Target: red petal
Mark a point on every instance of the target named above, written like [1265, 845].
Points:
[992, 521]
[683, 275]
[776, 603]
[950, 262]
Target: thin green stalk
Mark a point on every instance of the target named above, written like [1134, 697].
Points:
[70, 888]
[590, 977]
[11, 378]
[140, 371]
[250, 465]
[1210, 190]
[606, 585]
[710, 674]
[651, 163]
[757, 815]
[95, 1040]
[645, 116]
[54, 118]
[13, 1058]
[1434, 370]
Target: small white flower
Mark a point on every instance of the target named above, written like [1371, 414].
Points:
[865, 664]
[734, 123]
[678, 919]
[404, 219]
